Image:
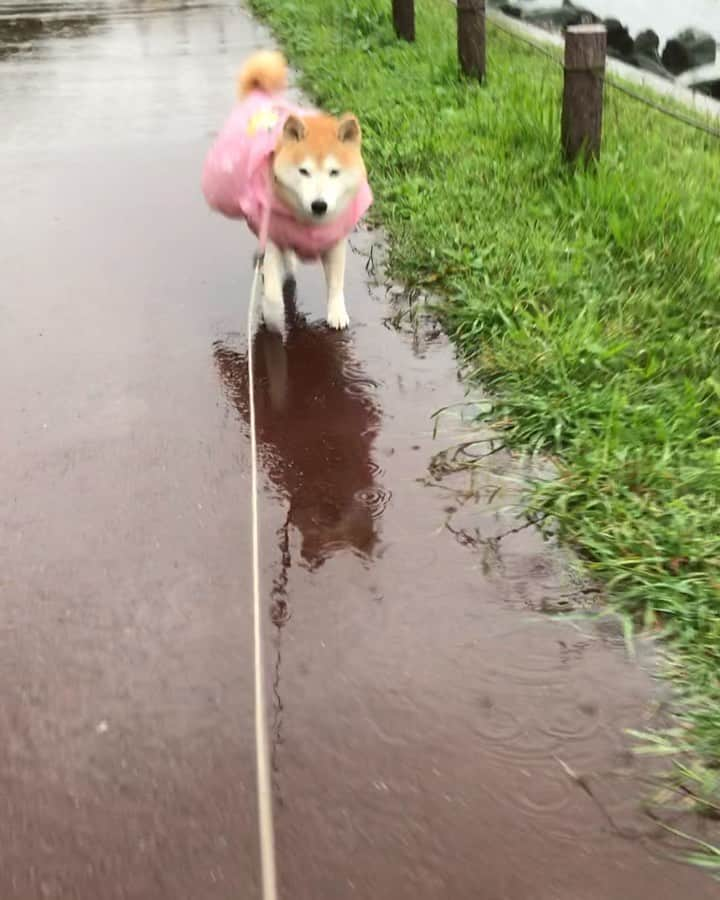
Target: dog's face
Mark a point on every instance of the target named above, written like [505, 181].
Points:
[318, 166]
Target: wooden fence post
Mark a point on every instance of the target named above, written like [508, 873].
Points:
[471, 37]
[585, 51]
[404, 19]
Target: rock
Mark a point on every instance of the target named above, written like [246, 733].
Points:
[561, 17]
[641, 52]
[647, 55]
[688, 50]
[578, 15]
[509, 10]
[619, 42]
[648, 43]
[705, 79]
[711, 88]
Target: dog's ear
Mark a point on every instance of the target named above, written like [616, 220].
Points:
[349, 129]
[293, 129]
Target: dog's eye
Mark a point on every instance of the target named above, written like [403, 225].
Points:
[334, 173]
[304, 172]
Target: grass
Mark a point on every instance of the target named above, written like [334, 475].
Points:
[588, 302]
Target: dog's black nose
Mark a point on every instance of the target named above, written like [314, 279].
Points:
[319, 207]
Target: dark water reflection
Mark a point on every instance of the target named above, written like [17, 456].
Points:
[24, 25]
[317, 419]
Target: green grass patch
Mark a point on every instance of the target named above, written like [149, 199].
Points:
[587, 301]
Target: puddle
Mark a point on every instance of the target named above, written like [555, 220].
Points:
[317, 421]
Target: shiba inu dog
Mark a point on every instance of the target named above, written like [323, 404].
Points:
[294, 175]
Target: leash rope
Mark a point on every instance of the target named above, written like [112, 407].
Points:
[268, 862]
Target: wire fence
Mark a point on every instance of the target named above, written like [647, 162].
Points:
[666, 111]
[619, 86]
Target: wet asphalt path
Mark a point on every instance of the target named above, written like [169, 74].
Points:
[419, 705]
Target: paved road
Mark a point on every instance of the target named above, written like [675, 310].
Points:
[418, 703]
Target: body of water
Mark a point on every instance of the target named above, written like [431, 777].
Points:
[664, 18]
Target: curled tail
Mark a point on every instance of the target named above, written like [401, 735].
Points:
[265, 71]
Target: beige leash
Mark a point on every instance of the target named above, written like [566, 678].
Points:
[268, 862]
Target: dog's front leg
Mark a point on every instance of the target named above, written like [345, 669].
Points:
[273, 308]
[290, 263]
[334, 265]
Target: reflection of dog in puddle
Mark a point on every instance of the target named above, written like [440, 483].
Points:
[316, 423]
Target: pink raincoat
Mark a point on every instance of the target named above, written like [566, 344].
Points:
[237, 179]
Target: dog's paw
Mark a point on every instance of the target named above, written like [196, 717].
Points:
[273, 315]
[337, 317]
